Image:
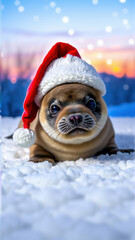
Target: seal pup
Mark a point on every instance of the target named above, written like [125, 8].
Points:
[65, 116]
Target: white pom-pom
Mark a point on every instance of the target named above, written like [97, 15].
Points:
[24, 137]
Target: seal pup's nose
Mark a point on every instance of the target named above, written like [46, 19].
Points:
[75, 119]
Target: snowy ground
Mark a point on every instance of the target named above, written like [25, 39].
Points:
[83, 200]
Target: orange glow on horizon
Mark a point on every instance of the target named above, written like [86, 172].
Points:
[118, 63]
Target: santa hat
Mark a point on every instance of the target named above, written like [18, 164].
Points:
[62, 64]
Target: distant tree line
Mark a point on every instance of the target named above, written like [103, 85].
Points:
[119, 90]
[13, 96]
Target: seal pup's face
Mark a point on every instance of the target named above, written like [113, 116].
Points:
[73, 113]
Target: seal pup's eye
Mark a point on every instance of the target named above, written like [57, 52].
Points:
[54, 108]
[90, 103]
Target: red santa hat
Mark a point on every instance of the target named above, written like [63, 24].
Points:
[62, 64]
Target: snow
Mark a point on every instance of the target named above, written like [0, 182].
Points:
[88, 199]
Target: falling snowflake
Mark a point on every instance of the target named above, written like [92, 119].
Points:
[52, 4]
[125, 86]
[100, 55]
[71, 32]
[90, 47]
[109, 61]
[108, 29]
[17, 2]
[95, 2]
[21, 9]
[58, 10]
[131, 41]
[122, 1]
[100, 42]
[125, 21]
[65, 19]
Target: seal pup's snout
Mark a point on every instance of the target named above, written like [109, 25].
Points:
[81, 121]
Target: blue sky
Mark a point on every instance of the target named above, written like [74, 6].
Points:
[102, 31]
[83, 16]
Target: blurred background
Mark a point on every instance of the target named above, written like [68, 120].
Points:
[102, 31]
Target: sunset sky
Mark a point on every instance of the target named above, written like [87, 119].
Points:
[101, 30]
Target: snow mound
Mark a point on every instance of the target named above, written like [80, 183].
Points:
[88, 199]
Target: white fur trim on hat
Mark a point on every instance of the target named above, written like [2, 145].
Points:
[69, 69]
[24, 137]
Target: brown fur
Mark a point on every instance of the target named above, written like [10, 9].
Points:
[47, 148]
